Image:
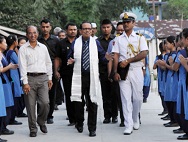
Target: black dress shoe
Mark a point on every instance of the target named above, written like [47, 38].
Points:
[173, 124]
[79, 128]
[56, 107]
[183, 137]
[163, 113]
[167, 123]
[71, 124]
[15, 123]
[7, 132]
[106, 120]
[122, 124]
[178, 131]
[33, 134]
[166, 117]
[2, 140]
[22, 115]
[92, 133]
[43, 128]
[114, 120]
[145, 100]
[50, 121]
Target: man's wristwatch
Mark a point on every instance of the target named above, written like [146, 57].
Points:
[143, 67]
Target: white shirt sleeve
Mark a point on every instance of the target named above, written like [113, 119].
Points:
[115, 46]
[48, 65]
[22, 65]
[143, 44]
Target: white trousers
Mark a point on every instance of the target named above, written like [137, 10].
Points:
[131, 91]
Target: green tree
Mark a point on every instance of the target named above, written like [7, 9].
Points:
[20, 13]
[12, 15]
[113, 8]
[81, 10]
[175, 9]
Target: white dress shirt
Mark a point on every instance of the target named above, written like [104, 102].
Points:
[121, 43]
[95, 37]
[34, 60]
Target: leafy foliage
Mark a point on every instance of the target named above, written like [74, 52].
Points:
[175, 9]
[12, 16]
[113, 8]
[20, 13]
[81, 10]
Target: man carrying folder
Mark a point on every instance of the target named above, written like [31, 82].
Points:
[129, 49]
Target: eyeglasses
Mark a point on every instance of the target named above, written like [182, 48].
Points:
[85, 29]
[34, 33]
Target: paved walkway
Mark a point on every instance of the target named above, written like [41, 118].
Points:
[151, 130]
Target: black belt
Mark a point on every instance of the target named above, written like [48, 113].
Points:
[35, 74]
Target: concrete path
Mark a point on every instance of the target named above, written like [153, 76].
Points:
[151, 130]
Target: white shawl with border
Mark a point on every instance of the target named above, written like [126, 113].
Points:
[95, 87]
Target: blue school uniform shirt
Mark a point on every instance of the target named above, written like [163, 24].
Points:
[12, 57]
[2, 98]
[159, 75]
[164, 76]
[169, 79]
[7, 85]
[175, 80]
[181, 83]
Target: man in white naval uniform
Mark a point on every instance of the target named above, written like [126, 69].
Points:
[129, 49]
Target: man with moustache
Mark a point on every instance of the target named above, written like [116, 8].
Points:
[64, 71]
[129, 50]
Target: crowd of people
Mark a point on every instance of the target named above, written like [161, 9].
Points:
[111, 67]
[171, 66]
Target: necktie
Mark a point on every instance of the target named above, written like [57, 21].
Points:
[85, 56]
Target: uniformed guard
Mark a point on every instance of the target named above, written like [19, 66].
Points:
[129, 49]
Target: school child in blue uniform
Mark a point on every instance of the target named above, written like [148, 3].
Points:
[182, 99]
[161, 64]
[168, 97]
[9, 102]
[12, 57]
[21, 104]
[160, 78]
[175, 87]
[2, 102]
